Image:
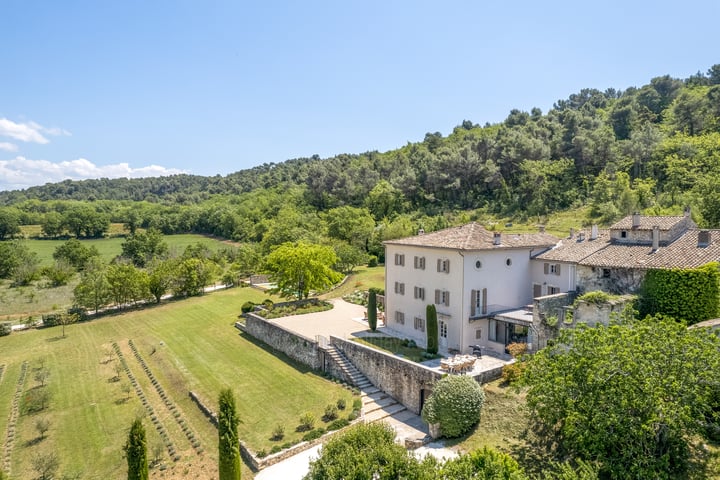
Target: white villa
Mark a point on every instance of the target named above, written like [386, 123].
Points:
[484, 284]
[470, 274]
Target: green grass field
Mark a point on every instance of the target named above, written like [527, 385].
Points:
[196, 347]
[17, 304]
[363, 278]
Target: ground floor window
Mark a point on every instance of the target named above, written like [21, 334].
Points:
[506, 332]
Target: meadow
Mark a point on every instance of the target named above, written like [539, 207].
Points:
[17, 304]
[188, 345]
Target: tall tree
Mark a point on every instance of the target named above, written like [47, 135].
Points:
[9, 223]
[136, 452]
[228, 442]
[372, 310]
[432, 329]
[301, 267]
[630, 396]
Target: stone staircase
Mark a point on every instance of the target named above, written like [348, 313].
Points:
[377, 405]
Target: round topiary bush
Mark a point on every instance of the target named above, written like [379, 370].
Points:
[455, 405]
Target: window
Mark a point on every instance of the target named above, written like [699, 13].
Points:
[555, 268]
[623, 234]
[478, 334]
[400, 288]
[606, 273]
[443, 328]
[442, 297]
[420, 324]
[508, 261]
[506, 332]
[400, 318]
[553, 290]
[419, 263]
[478, 302]
[443, 265]
[419, 293]
[400, 259]
[478, 264]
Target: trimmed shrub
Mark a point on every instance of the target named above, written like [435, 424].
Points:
[307, 422]
[331, 413]
[432, 329]
[313, 434]
[341, 404]
[278, 433]
[247, 307]
[338, 424]
[373, 261]
[512, 372]
[5, 328]
[372, 310]
[455, 405]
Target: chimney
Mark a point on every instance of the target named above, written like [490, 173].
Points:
[421, 231]
[581, 236]
[593, 232]
[703, 238]
[572, 232]
[496, 238]
[541, 228]
[686, 212]
[635, 220]
[655, 238]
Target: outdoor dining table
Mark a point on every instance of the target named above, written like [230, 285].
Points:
[458, 363]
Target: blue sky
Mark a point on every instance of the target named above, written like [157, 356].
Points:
[136, 88]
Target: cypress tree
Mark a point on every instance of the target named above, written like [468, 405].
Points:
[372, 310]
[136, 452]
[228, 444]
[432, 329]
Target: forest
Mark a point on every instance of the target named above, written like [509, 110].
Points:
[654, 149]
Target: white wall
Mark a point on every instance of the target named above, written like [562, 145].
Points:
[430, 279]
[565, 281]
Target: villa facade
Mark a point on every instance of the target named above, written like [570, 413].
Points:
[486, 285]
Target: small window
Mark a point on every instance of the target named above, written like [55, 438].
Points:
[478, 334]
[555, 268]
[400, 318]
[508, 261]
[419, 263]
[419, 293]
[623, 234]
[443, 265]
[606, 273]
[399, 259]
[442, 297]
[478, 264]
[553, 290]
[420, 324]
[400, 288]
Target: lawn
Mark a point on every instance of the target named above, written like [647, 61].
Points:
[395, 346]
[17, 304]
[189, 345]
[363, 278]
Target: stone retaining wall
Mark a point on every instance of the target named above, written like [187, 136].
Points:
[295, 346]
[402, 379]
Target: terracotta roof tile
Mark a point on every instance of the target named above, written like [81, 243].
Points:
[474, 236]
[682, 253]
[648, 222]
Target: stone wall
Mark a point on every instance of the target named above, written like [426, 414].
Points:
[620, 281]
[544, 308]
[295, 346]
[402, 379]
[598, 313]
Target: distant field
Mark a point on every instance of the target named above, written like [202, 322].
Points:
[111, 247]
[189, 345]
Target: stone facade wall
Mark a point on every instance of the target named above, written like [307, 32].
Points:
[402, 379]
[620, 281]
[297, 347]
[544, 308]
[593, 314]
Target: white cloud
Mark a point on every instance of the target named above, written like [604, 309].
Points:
[22, 172]
[8, 147]
[28, 132]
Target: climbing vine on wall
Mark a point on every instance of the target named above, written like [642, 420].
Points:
[690, 294]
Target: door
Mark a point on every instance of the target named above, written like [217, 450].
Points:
[443, 334]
